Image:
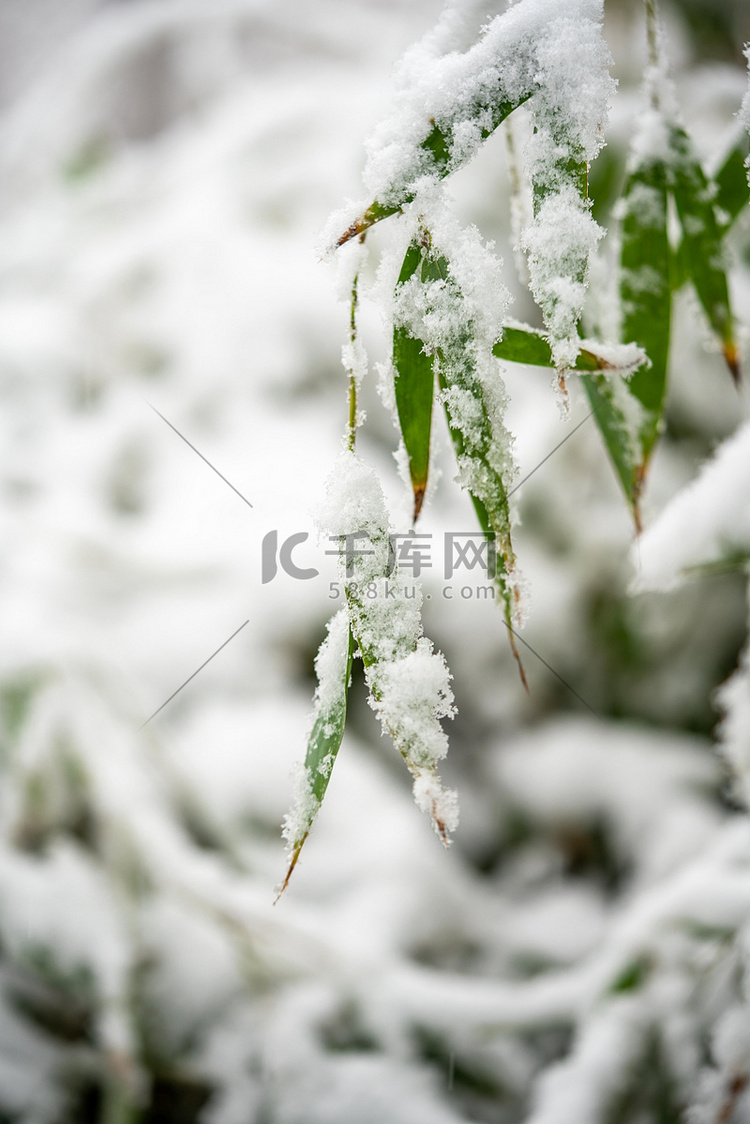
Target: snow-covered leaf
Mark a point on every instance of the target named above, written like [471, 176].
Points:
[531, 347]
[550, 57]
[334, 668]
[409, 682]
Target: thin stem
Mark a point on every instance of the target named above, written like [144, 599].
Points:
[351, 439]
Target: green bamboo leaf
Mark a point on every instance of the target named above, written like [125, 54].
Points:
[334, 668]
[732, 195]
[607, 396]
[606, 393]
[470, 423]
[414, 389]
[442, 152]
[529, 346]
[702, 241]
[628, 410]
[645, 291]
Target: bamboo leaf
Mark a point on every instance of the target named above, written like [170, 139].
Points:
[732, 194]
[526, 345]
[628, 411]
[441, 152]
[334, 667]
[607, 396]
[702, 241]
[408, 680]
[645, 291]
[414, 389]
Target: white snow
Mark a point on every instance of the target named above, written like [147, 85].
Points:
[708, 522]
[162, 185]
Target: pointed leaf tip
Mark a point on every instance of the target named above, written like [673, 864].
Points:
[292, 863]
[732, 359]
[333, 666]
[419, 494]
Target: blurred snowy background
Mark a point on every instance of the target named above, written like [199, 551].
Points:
[165, 170]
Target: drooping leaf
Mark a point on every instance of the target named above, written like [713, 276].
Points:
[414, 390]
[731, 194]
[334, 668]
[607, 397]
[412, 716]
[628, 412]
[645, 292]
[627, 401]
[702, 236]
[607, 393]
